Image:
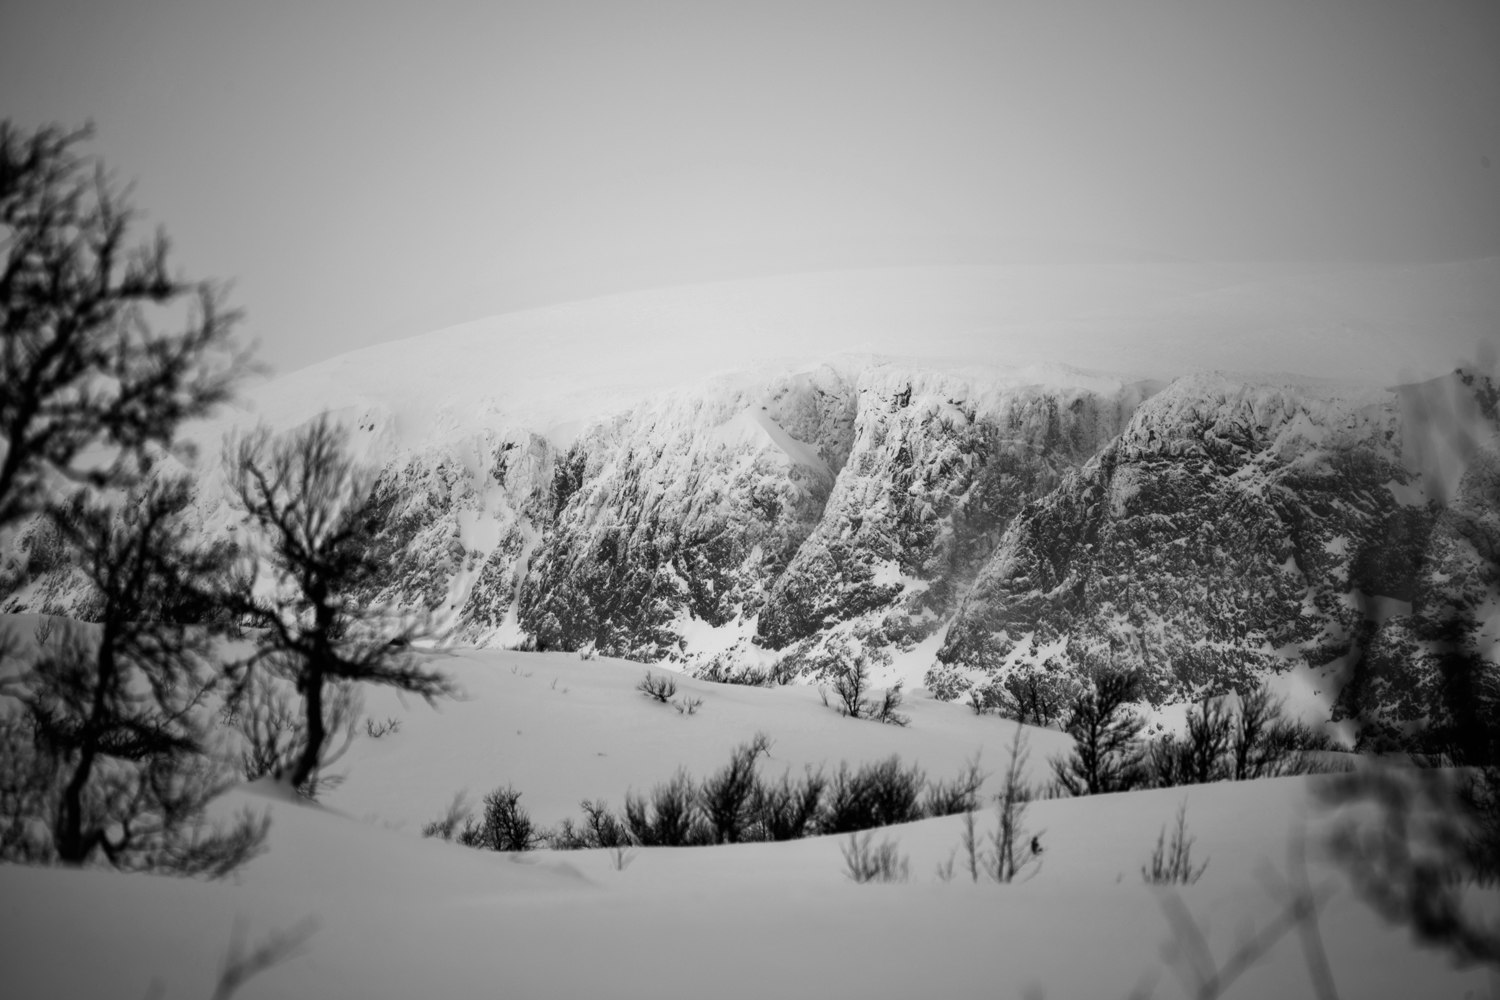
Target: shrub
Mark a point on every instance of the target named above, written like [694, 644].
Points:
[1015, 848]
[885, 711]
[725, 797]
[1107, 755]
[877, 794]
[851, 684]
[660, 688]
[1172, 863]
[669, 818]
[961, 795]
[1209, 727]
[600, 828]
[504, 826]
[375, 730]
[1035, 696]
[1257, 741]
[1266, 744]
[1166, 761]
[864, 862]
[788, 810]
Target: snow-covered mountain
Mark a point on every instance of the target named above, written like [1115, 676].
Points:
[602, 475]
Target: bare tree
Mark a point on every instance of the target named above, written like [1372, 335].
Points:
[1210, 728]
[1172, 863]
[106, 750]
[312, 504]
[120, 732]
[851, 682]
[91, 386]
[1107, 755]
[1016, 849]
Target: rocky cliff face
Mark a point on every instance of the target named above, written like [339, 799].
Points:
[1207, 533]
[1234, 531]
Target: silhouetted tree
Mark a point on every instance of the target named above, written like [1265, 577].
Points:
[313, 507]
[121, 745]
[105, 748]
[90, 384]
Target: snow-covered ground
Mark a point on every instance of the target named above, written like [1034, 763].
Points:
[393, 915]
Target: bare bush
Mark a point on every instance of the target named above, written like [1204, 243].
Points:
[788, 809]
[269, 718]
[865, 861]
[375, 730]
[1209, 728]
[1255, 741]
[1266, 744]
[600, 828]
[1034, 696]
[1015, 849]
[850, 674]
[503, 825]
[879, 794]
[447, 826]
[726, 796]
[1172, 861]
[669, 818]
[659, 688]
[961, 795]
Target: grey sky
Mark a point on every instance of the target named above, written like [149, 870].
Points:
[367, 170]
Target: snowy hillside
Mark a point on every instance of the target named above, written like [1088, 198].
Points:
[926, 467]
[388, 914]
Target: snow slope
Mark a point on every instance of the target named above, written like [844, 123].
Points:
[397, 916]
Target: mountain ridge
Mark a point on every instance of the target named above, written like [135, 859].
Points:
[995, 521]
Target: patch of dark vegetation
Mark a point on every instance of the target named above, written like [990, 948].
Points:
[735, 804]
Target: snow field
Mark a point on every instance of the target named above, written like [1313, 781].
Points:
[399, 916]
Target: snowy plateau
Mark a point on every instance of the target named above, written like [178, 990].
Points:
[1214, 474]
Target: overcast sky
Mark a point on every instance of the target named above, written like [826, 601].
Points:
[367, 170]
